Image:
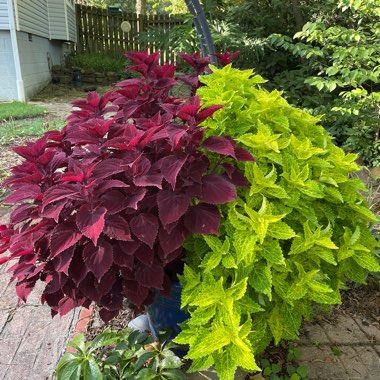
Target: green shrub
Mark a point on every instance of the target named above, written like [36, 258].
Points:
[293, 237]
[339, 73]
[127, 355]
[97, 62]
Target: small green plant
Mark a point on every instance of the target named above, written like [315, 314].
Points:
[97, 62]
[124, 355]
[19, 110]
[288, 370]
[13, 130]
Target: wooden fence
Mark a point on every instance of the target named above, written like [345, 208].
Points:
[100, 32]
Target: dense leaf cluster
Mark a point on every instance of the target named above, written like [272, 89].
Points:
[105, 206]
[292, 238]
[338, 73]
[126, 354]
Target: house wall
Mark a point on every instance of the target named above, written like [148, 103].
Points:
[37, 57]
[8, 89]
[71, 25]
[33, 17]
[4, 19]
[62, 20]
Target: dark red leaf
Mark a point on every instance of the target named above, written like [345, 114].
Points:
[171, 206]
[98, 259]
[106, 315]
[23, 193]
[62, 262]
[174, 240]
[170, 167]
[116, 227]
[108, 167]
[145, 227]
[64, 236]
[145, 254]
[58, 192]
[242, 154]
[217, 190]
[203, 219]
[91, 221]
[150, 276]
[219, 144]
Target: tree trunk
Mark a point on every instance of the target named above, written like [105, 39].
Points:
[141, 7]
[297, 14]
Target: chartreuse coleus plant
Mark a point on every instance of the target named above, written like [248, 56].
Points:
[292, 237]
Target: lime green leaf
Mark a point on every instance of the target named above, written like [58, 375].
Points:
[276, 324]
[209, 342]
[367, 260]
[261, 279]
[201, 364]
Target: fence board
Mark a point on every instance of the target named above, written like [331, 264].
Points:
[100, 32]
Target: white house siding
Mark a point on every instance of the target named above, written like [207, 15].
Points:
[8, 89]
[33, 17]
[72, 28]
[35, 58]
[4, 19]
[57, 19]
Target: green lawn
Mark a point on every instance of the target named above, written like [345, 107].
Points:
[19, 110]
[15, 129]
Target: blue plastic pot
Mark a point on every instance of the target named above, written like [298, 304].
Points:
[165, 312]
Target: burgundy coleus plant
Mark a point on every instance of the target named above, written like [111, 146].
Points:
[104, 206]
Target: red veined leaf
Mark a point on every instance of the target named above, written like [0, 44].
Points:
[23, 193]
[64, 236]
[170, 167]
[171, 206]
[145, 227]
[216, 189]
[116, 227]
[174, 240]
[98, 259]
[58, 192]
[203, 219]
[91, 221]
[219, 144]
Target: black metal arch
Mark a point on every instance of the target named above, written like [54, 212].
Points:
[202, 28]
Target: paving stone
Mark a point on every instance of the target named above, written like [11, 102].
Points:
[327, 371]
[211, 375]
[352, 363]
[321, 354]
[313, 335]
[9, 348]
[19, 320]
[371, 331]
[377, 348]
[369, 357]
[18, 372]
[344, 331]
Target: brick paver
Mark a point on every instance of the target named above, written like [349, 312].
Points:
[31, 341]
[346, 349]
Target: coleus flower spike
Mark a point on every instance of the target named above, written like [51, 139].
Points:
[103, 207]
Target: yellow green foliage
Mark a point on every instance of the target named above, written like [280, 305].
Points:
[293, 237]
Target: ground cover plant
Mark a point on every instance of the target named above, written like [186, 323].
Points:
[19, 110]
[97, 62]
[126, 355]
[105, 205]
